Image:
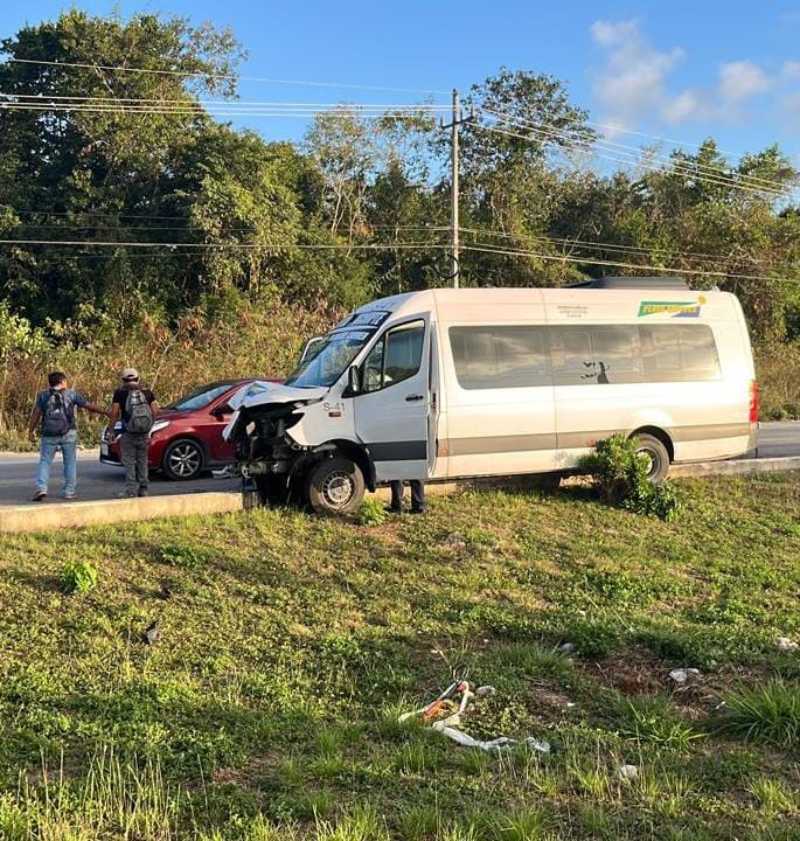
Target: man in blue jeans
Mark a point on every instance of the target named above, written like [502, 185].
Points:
[54, 415]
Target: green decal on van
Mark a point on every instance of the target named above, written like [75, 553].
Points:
[677, 309]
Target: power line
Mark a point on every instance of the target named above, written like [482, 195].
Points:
[634, 156]
[635, 159]
[490, 249]
[598, 245]
[221, 76]
[686, 172]
[188, 111]
[549, 128]
[44, 98]
[243, 246]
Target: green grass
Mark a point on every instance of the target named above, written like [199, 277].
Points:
[290, 645]
[766, 713]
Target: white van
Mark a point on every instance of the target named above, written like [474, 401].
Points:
[447, 384]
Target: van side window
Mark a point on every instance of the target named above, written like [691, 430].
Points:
[599, 354]
[395, 357]
[571, 352]
[679, 353]
[500, 357]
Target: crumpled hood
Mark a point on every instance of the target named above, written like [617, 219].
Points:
[260, 392]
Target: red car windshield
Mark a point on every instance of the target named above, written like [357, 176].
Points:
[200, 398]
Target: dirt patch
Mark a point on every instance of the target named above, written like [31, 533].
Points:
[633, 672]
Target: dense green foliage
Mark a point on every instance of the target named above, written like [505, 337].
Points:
[289, 645]
[356, 210]
[621, 475]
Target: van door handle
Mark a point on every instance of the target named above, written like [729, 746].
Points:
[412, 397]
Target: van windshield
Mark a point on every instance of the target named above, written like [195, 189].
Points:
[327, 361]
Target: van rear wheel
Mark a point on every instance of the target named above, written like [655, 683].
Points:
[657, 455]
[335, 486]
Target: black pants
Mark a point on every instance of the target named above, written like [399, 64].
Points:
[417, 495]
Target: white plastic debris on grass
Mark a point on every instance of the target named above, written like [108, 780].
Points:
[445, 716]
[684, 676]
[785, 644]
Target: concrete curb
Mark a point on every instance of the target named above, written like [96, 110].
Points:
[735, 466]
[29, 518]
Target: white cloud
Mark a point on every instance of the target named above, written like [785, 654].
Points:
[632, 80]
[608, 34]
[740, 80]
[791, 69]
[688, 105]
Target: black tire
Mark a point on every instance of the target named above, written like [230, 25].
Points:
[655, 450]
[271, 490]
[335, 487]
[183, 459]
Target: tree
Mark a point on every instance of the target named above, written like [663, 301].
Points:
[101, 175]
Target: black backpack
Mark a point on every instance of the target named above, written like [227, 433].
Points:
[57, 415]
[138, 414]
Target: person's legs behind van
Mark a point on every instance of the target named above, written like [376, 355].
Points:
[396, 505]
[417, 496]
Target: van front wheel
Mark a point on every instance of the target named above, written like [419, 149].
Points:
[657, 455]
[335, 486]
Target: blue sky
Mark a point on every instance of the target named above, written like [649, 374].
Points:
[677, 69]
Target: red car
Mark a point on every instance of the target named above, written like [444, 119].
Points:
[187, 436]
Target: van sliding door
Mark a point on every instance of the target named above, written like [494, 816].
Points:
[500, 411]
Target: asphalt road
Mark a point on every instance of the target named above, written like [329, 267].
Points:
[95, 480]
[101, 481]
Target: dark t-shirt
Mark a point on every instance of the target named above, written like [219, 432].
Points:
[121, 399]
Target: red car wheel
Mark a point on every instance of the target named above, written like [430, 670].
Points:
[183, 459]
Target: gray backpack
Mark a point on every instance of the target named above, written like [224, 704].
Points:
[57, 415]
[138, 414]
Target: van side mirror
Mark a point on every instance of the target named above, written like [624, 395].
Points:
[353, 381]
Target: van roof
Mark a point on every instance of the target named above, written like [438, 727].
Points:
[592, 296]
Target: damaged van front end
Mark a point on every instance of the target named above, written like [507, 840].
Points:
[268, 457]
[297, 441]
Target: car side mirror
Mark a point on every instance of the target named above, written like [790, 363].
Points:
[353, 381]
[221, 411]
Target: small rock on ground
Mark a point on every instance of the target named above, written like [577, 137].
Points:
[683, 676]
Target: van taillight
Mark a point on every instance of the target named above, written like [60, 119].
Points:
[755, 401]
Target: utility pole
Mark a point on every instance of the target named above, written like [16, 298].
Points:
[454, 188]
[454, 167]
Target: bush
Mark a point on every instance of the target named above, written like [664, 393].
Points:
[621, 475]
[372, 512]
[78, 577]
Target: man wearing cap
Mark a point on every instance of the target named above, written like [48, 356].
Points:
[136, 407]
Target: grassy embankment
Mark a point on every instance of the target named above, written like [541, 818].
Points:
[268, 709]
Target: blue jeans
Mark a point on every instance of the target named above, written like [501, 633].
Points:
[68, 444]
